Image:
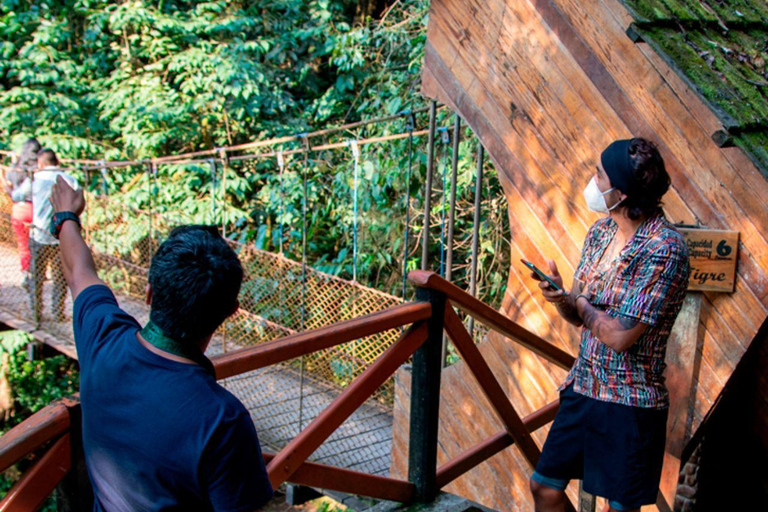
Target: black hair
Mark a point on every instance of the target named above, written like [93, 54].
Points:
[651, 180]
[28, 154]
[195, 277]
[47, 157]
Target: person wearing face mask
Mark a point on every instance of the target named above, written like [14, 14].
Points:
[628, 288]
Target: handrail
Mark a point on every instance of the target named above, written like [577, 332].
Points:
[287, 462]
[40, 481]
[425, 333]
[48, 423]
[296, 345]
[492, 318]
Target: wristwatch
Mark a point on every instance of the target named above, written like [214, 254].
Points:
[58, 219]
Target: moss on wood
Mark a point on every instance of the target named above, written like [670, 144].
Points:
[721, 48]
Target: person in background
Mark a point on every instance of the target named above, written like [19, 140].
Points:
[159, 433]
[21, 212]
[43, 247]
[610, 429]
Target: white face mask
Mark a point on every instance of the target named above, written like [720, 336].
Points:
[596, 199]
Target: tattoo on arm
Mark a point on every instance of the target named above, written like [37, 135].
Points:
[603, 326]
[568, 311]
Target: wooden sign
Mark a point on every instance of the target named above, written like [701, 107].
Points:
[713, 258]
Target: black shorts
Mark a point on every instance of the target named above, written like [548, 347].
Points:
[617, 450]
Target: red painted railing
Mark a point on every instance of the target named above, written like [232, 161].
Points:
[428, 318]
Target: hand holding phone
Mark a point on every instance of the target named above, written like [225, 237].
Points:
[541, 276]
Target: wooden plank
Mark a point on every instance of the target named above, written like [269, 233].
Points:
[491, 318]
[681, 353]
[529, 164]
[296, 345]
[461, 399]
[337, 479]
[39, 482]
[490, 386]
[465, 402]
[29, 435]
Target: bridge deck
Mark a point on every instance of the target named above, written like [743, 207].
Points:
[282, 399]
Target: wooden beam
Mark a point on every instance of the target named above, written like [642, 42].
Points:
[297, 345]
[425, 402]
[290, 458]
[490, 386]
[348, 481]
[38, 483]
[492, 318]
[32, 433]
[59, 344]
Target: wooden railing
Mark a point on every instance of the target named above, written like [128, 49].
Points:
[428, 319]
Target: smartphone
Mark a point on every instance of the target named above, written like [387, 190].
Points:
[542, 275]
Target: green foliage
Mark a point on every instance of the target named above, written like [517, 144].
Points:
[138, 79]
[33, 385]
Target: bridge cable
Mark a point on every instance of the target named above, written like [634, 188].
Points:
[303, 273]
[356, 184]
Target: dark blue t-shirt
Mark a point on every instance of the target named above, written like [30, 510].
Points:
[159, 434]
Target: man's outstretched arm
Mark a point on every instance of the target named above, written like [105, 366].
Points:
[76, 259]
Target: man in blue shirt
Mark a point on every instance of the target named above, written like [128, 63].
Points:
[159, 433]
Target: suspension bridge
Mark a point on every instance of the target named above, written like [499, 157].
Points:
[280, 297]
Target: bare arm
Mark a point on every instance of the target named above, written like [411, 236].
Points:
[76, 259]
[619, 333]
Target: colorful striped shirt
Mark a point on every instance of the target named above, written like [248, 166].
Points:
[646, 282]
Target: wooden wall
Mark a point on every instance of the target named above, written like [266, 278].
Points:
[546, 85]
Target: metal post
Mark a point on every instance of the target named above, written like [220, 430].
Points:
[425, 402]
[452, 212]
[411, 124]
[476, 228]
[428, 186]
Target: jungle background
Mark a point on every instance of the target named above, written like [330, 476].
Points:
[133, 80]
[137, 79]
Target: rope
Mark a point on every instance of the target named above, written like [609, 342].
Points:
[356, 156]
[281, 192]
[224, 159]
[187, 157]
[103, 172]
[212, 163]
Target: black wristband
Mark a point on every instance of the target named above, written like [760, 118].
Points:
[58, 219]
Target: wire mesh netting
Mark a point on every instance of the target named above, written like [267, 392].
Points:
[131, 209]
[278, 297]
